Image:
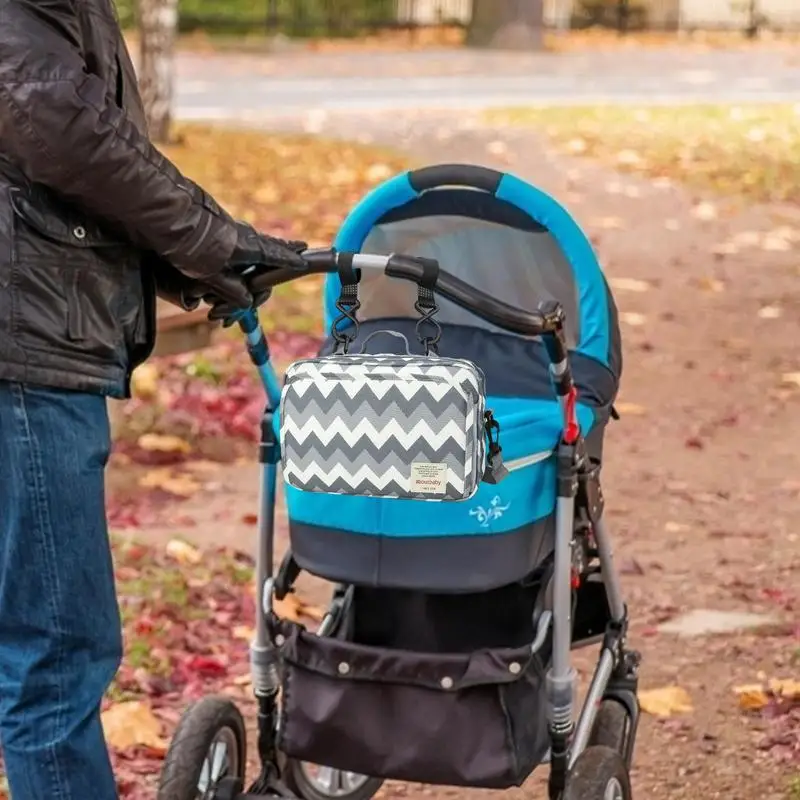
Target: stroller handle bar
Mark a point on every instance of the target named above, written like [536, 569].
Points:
[547, 321]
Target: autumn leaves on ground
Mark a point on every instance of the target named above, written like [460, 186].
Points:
[188, 613]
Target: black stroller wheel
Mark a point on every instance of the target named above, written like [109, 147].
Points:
[599, 773]
[209, 746]
[313, 782]
[610, 726]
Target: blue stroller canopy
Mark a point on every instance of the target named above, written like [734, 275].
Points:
[507, 238]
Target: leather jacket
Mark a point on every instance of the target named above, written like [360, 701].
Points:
[94, 221]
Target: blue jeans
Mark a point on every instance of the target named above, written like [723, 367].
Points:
[60, 636]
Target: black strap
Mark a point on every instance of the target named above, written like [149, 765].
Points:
[426, 306]
[347, 304]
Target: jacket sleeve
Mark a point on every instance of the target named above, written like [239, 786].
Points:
[60, 127]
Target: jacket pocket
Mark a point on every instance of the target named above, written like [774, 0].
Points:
[75, 288]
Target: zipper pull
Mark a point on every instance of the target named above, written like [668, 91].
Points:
[495, 469]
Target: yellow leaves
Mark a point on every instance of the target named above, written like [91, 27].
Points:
[632, 318]
[376, 173]
[288, 184]
[244, 632]
[706, 212]
[177, 483]
[709, 284]
[754, 696]
[629, 158]
[666, 701]
[791, 379]
[294, 609]
[749, 150]
[630, 409]
[769, 312]
[629, 284]
[144, 381]
[132, 724]
[183, 552]
[156, 442]
[609, 223]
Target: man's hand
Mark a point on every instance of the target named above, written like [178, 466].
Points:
[241, 284]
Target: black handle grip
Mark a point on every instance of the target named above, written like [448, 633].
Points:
[505, 316]
[468, 175]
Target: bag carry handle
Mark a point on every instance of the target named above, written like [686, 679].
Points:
[429, 332]
[385, 332]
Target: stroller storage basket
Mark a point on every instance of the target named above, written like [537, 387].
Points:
[463, 720]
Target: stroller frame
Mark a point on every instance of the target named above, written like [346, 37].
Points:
[582, 548]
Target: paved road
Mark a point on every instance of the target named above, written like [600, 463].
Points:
[250, 87]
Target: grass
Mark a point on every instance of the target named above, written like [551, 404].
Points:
[752, 151]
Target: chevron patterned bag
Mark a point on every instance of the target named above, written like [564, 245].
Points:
[411, 426]
[384, 425]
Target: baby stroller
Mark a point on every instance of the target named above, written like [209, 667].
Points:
[444, 657]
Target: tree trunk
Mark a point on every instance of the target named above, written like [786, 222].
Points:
[507, 24]
[158, 22]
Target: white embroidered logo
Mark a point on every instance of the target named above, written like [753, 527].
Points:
[487, 515]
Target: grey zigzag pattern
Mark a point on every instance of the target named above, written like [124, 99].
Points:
[379, 460]
[338, 466]
[336, 407]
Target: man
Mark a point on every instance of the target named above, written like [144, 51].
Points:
[94, 221]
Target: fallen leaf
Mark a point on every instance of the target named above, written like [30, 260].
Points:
[705, 211]
[132, 724]
[710, 284]
[725, 249]
[769, 312]
[497, 148]
[666, 701]
[755, 696]
[378, 172]
[576, 146]
[244, 632]
[183, 552]
[159, 443]
[294, 609]
[629, 158]
[181, 485]
[632, 409]
[144, 381]
[675, 527]
[791, 378]
[629, 284]
[632, 318]
[609, 223]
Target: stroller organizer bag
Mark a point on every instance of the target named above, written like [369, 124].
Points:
[400, 426]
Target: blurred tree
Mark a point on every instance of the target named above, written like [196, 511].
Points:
[158, 23]
[507, 24]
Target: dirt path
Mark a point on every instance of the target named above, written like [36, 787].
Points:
[702, 475]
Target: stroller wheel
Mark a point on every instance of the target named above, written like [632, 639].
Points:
[208, 748]
[610, 726]
[599, 774]
[314, 782]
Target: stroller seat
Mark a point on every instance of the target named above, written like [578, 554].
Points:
[504, 531]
